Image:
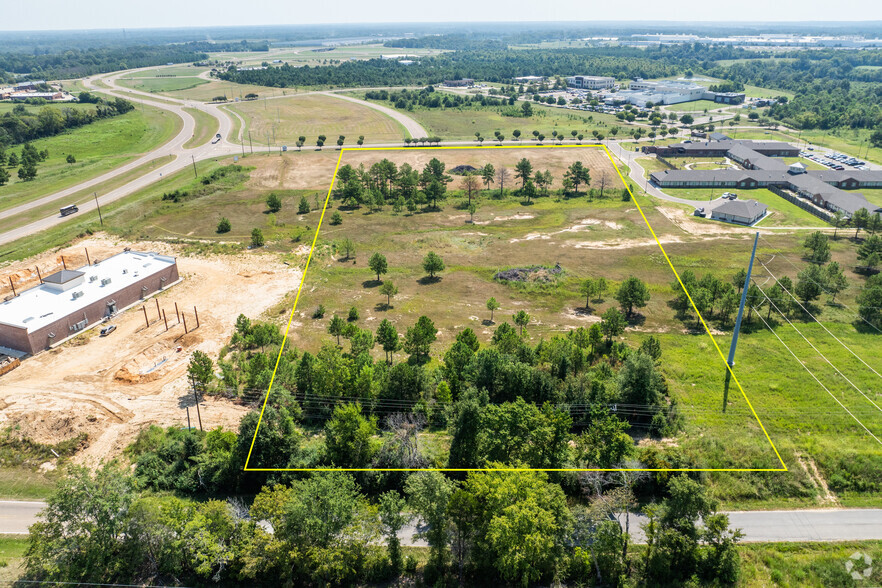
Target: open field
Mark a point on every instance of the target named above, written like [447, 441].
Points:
[314, 115]
[695, 106]
[308, 55]
[206, 127]
[213, 88]
[12, 550]
[98, 148]
[177, 70]
[146, 84]
[463, 123]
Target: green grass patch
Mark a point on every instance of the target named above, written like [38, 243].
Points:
[206, 127]
[161, 84]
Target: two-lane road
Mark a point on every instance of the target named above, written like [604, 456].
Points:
[854, 524]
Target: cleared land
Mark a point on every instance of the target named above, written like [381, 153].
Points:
[313, 115]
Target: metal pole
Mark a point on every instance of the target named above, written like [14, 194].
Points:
[100, 218]
[64, 265]
[38, 274]
[188, 419]
[158, 312]
[146, 320]
[196, 397]
[194, 166]
[250, 144]
[731, 360]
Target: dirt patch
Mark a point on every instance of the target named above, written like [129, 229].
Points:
[811, 469]
[534, 273]
[683, 221]
[514, 217]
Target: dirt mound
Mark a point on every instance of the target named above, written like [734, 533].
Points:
[147, 366]
[535, 273]
[51, 427]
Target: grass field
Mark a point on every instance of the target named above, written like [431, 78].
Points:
[807, 565]
[177, 70]
[145, 84]
[210, 89]
[307, 55]
[206, 127]
[463, 123]
[98, 148]
[696, 106]
[12, 551]
[312, 115]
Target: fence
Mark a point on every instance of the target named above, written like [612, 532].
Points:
[807, 206]
[665, 161]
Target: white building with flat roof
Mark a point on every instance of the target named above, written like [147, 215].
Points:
[68, 301]
[591, 82]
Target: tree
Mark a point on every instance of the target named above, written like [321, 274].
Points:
[808, 284]
[523, 171]
[387, 337]
[70, 158]
[304, 207]
[419, 338]
[834, 280]
[4, 176]
[605, 443]
[388, 289]
[200, 369]
[526, 112]
[473, 208]
[347, 247]
[839, 221]
[336, 218]
[687, 119]
[529, 190]
[502, 176]
[487, 174]
[393, 518]
[492, 306]
[223, 226]
[429, 495]
[340, 140]
[378, 264]
[256, 238]
[433, 264]
[27, 171]
[348, 435]
[336, 327]
[612, 324]
[521, 319]
[870, 251]
[353, 315]
[577, 174]
[870, 304]
[273, 202]
[860, 219]
[738, 279]
[818, 247]
[633, 292]
[470, 184]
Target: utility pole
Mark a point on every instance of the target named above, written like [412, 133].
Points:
[731, 360]
[99, 209]
[196, 397]
[250, 144]
[194, 166]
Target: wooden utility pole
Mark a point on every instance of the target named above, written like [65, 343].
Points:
[88, 261]
[158, 312]
[188, 418]
[177, 314]
[731, 360]
[196, 398]
[146, 320]
[197, 317]
[11, 285]
[100, 218]
[250, 144]
[193, 159]
[185, 323]
[165, 320]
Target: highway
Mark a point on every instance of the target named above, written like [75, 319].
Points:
[773, 526]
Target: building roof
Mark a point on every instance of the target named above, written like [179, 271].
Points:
[750, 209]
[63, 277]
[42, 305]
[718, 137]
[742, 152]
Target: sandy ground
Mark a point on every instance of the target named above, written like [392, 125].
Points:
[112, 387]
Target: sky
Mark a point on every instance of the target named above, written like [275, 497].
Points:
[103, 14]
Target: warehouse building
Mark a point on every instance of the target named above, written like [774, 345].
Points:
[69, 301]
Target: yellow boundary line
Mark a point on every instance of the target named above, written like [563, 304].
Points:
[783, 467]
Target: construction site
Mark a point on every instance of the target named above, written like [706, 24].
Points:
[110, 387]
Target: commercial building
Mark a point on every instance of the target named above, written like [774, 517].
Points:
[529, 79]
[69, 301]
[463, 83]
[826, 189]
[642, 92]
[745, 212]
[591, 82]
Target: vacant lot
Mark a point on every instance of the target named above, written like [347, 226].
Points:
[314, 115]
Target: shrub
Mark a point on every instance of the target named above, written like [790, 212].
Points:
[353, 314]
[224, 225]
[319, 312]
[336, 218]
[256, 238]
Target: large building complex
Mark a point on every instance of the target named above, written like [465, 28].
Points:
[591, 82]
[643, 92]
[68, 301]
[824, 189]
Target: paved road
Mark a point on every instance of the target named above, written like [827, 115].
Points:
[857, 524]
[413, 127]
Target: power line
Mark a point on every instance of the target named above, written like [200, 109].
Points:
[870, 433]
[824, 357]
[820, 323]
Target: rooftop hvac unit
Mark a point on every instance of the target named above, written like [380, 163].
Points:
[78, 294]
[93, 278]
[105, 281]
[125, 271]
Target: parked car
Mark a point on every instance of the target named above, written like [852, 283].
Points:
[107, 330]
